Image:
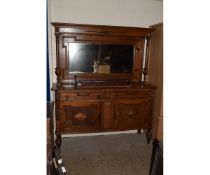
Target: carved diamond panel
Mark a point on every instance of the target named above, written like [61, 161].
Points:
[80, 116]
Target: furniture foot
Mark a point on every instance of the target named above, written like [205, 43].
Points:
[149, 135]
[139, 131]
[58, 141]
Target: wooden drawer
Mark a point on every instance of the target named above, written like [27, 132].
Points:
[82, 95]
[130, 94]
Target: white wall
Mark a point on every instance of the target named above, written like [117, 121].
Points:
[136, 13]
[140, 13]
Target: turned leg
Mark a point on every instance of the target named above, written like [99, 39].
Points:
[139, 131]
[58, 140]
[149, 135]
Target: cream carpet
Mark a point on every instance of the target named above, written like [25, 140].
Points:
[121, 154]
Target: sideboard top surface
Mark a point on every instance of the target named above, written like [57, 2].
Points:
[133, 86]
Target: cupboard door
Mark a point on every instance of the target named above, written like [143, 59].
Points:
[78, 116]
[133, 114]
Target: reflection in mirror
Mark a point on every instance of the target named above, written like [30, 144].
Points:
[100, 58]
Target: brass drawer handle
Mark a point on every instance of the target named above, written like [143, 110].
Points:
[67, 97]
[98, 97]
[131, 93]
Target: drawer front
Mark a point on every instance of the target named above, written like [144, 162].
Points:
[79, 116]
[82, 95]
[130, 94]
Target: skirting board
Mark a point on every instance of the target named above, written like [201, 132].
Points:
[100, 133]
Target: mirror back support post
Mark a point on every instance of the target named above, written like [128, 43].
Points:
[147, 57]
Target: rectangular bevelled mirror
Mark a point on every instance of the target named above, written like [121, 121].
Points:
[100, 58]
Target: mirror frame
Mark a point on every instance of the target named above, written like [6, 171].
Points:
[75, 33]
